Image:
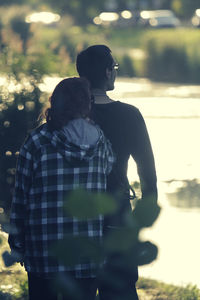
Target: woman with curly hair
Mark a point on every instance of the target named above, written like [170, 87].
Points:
[66, 153]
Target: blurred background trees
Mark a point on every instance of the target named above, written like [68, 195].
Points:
[18, 114]
[84, 11]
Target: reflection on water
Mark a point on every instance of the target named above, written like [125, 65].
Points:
[176, 233]
[173, 123]
[172, 115]
[186, 195]
[128, 88]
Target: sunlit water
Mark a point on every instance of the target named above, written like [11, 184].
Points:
[172, 115]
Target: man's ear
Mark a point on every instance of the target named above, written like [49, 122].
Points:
[108, 73]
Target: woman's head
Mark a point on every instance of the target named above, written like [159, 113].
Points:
[93, 64]
[71, 99]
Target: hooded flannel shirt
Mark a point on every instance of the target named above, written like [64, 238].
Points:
[48, 167]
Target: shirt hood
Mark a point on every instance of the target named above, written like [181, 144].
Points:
[79, 139]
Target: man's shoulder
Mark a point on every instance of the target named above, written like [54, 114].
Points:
[117, 112]
[127, 111]
[127, 107]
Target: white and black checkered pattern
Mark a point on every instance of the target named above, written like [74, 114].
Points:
[48, 167]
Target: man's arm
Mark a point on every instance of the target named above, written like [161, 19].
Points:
[141, 151]
[146, 209]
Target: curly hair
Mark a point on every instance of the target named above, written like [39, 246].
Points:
[71, 99]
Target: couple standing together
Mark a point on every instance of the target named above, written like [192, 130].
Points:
[85, 144]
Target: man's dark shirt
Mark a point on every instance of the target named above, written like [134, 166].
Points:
[124, 126]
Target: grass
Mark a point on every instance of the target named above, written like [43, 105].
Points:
[160, 291]
[147, 289]
[137, 37]
[13, 284]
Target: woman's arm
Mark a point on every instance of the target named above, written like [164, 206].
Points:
[19, 201]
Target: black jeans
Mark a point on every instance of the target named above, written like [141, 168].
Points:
[117, 281]
[61, 287]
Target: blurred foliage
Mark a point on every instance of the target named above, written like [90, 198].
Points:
[167, 62]
[22, 29]
[5, 296]
[83, 204]
[84, 11]
[169, 55]
[146, 212]
[126, 66]
[77, 249]
[173, 56]
[27, 52]
[26, 47]
[121, 246]
[20, 104]
[184, 8]
[22, 294]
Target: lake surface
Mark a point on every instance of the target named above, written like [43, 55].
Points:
[172, 115]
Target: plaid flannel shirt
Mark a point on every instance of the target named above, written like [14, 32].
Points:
[48, 167]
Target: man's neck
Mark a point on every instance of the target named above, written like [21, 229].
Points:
[100, 96]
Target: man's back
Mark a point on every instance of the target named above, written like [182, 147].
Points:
[124, 126]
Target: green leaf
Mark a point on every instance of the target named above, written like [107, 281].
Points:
[73, 250]
[84, 205]
[120, 239]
